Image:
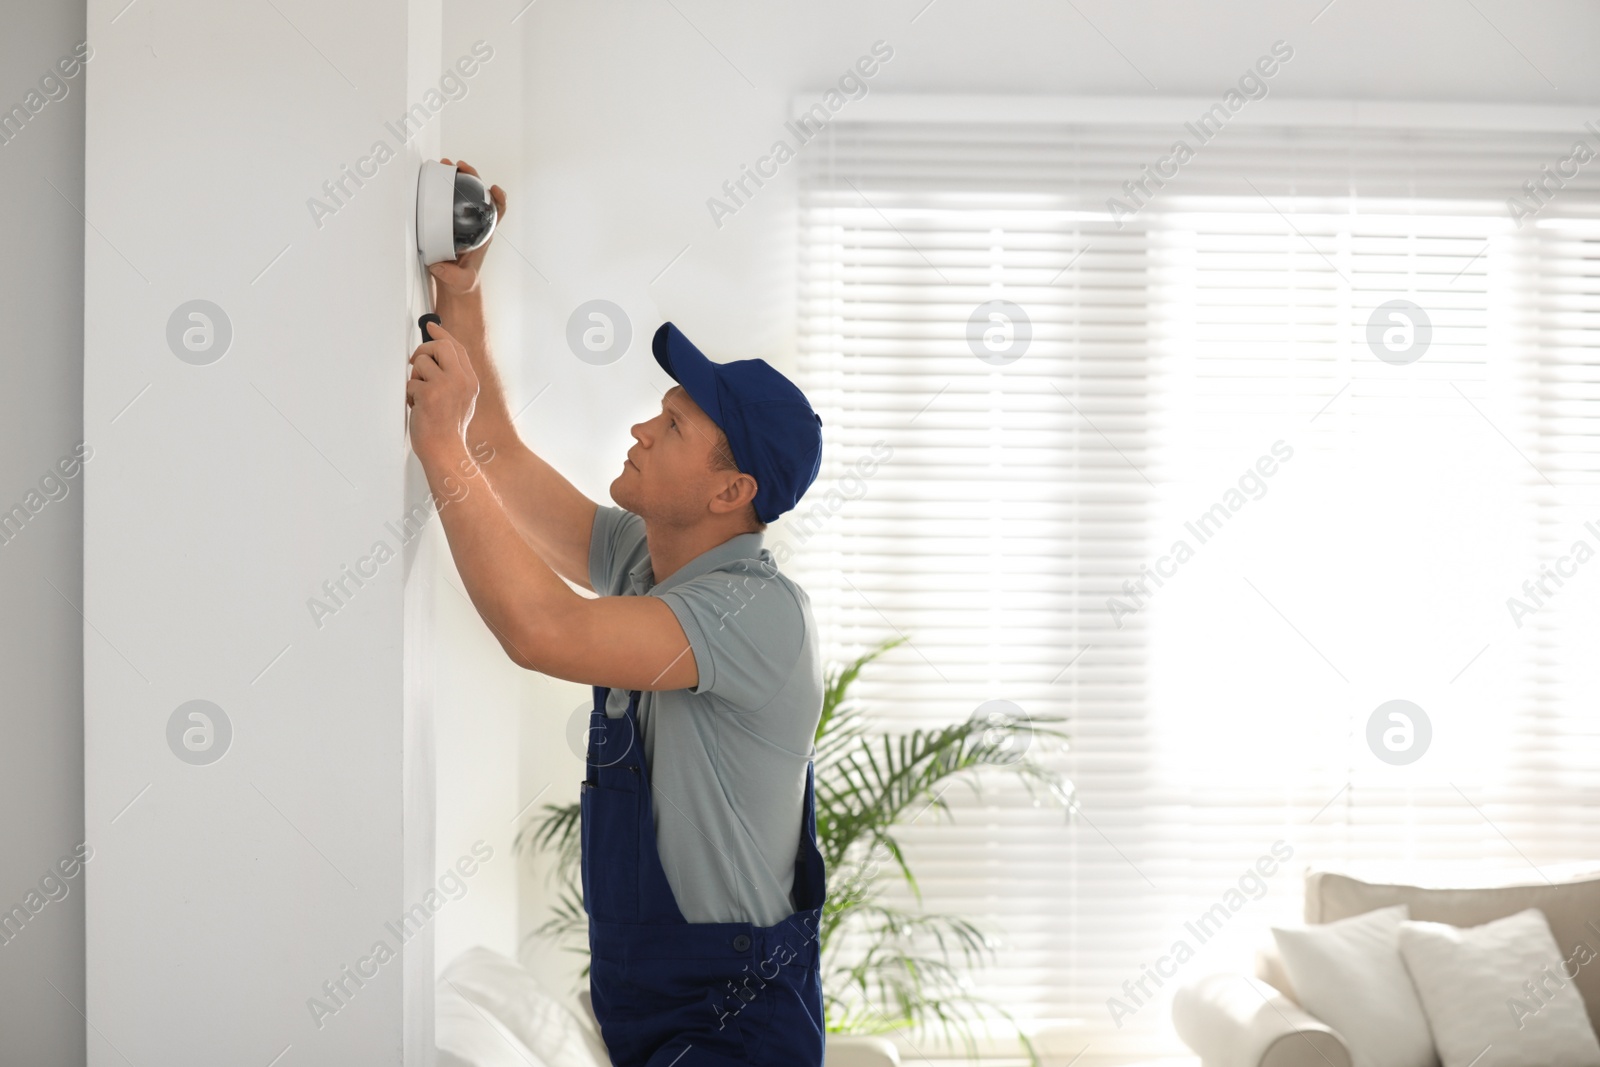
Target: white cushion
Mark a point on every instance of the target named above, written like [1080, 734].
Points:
[505, 989]
[1350, 975]
[1472, 982]
[468, 1036]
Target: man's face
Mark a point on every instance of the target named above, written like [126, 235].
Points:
[667, 476]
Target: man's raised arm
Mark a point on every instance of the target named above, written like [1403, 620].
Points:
[550, 514]
[631, 642]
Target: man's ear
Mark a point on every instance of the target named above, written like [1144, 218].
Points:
[736, 494]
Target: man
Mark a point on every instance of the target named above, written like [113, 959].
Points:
[701, 876]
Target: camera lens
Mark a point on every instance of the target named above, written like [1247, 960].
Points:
[473, 215]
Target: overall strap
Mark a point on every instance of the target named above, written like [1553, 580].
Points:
[810, 816]
[597, 716]
[810, 874]
[613, 743]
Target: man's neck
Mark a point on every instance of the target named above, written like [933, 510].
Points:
[673, 546]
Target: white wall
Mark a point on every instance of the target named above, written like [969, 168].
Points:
[221, 897]
[632, 116]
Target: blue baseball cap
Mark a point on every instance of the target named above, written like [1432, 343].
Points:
[774, 435]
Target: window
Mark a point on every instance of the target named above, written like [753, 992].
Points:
[1199, 371]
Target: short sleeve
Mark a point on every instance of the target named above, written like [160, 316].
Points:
[747, 633]
[614, 547]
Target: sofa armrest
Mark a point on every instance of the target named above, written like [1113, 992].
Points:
[861, 1050]
[1231, 1020]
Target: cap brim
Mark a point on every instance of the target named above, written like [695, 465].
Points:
[690, 368]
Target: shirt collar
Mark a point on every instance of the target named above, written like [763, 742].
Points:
[737, 547]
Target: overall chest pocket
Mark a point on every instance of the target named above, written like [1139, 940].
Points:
[610, 835]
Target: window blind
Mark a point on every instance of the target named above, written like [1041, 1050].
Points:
[1017, 529]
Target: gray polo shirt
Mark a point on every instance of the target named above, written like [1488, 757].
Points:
[727, 759]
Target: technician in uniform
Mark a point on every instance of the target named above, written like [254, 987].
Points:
[701, 874]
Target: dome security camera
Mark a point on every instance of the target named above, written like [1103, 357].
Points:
[455, 213]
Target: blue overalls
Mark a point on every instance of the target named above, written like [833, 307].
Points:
[668, 992]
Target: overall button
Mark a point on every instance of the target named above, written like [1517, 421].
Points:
[741, 942]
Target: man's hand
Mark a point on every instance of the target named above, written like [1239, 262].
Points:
[459, 276]
[442, 393]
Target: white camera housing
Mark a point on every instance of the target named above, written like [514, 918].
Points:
[455, 213]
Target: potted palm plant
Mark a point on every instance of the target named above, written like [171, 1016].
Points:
[886, 966]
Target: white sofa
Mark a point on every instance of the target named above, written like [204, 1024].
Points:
[491, 1012]
[1236, 1020]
